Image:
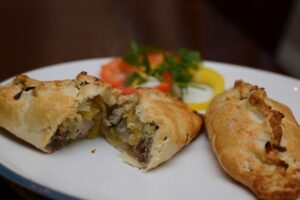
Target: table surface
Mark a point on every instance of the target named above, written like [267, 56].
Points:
[39, 33]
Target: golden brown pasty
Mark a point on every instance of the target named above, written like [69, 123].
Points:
[256, 140]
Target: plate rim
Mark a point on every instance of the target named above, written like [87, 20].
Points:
[30, 185]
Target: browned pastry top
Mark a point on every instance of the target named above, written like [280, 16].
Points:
[256, 140]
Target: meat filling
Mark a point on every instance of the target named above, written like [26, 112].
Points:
[122, 128]
[129, 134]
[142, 149]
[86, 124]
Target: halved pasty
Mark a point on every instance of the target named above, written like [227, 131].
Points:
[148, 127]
[49, 114]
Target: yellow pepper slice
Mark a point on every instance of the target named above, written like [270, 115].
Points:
[211, 78]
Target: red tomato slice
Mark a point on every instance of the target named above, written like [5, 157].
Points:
[164, 87]
[156, 58]
[128, 90]
[116, 71]
[167, 76]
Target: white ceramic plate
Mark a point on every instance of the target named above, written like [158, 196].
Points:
[74, 171]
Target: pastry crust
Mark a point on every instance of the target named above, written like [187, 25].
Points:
[177, 124]
[35, 110]
[256, 140]
[32, 110]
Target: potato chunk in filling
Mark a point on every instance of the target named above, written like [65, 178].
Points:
[129, 134]
[86, 124]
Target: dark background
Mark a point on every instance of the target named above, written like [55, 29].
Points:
[35, 33]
